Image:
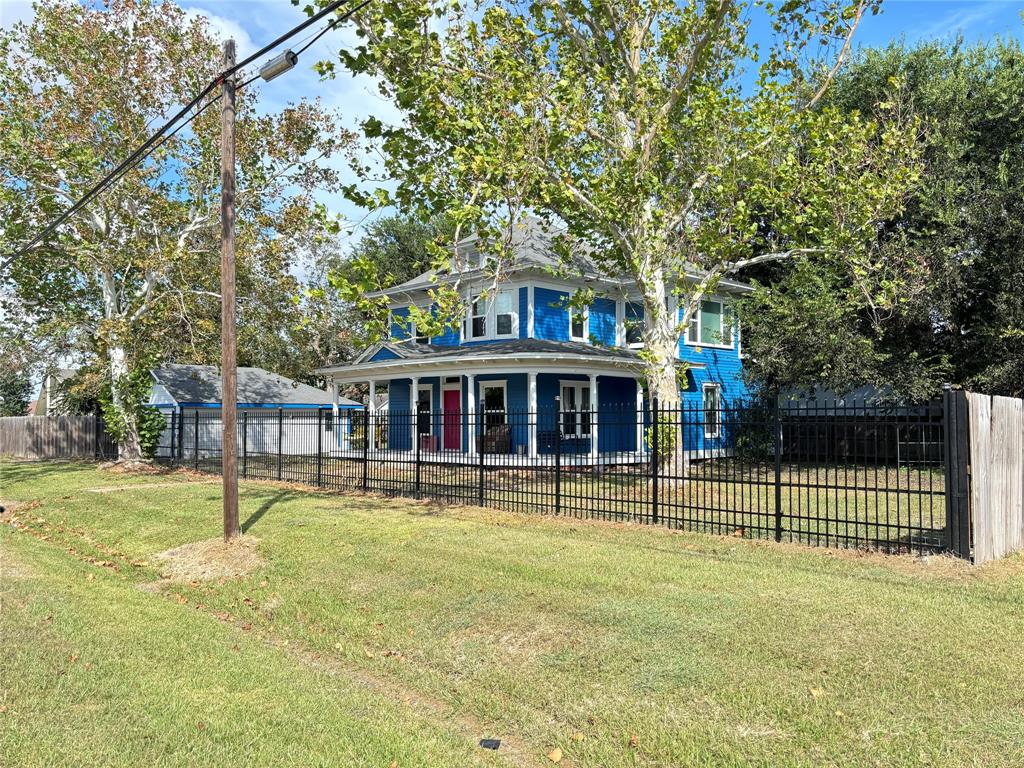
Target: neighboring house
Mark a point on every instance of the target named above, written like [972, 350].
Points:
[51, 392]
[519, 349]
[273, 411]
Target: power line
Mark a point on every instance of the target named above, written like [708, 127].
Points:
[158, 138]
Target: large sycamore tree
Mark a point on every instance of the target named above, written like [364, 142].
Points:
[658, 133]
[133, 278]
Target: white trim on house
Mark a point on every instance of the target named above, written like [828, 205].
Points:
[530, 311]
[480, 364]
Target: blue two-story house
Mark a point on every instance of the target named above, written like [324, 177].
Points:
[523, 373]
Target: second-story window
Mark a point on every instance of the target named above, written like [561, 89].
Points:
[577, 325]
[492, 318]
[635, 324]
[713, 325]
[504, 314]
[418, 337]
[478, 319]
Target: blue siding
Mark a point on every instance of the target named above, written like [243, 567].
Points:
[602, 322]
[399, 430]
[384, 354]
[399, 330]
[450, 337]
[550, 314]
[524, 313]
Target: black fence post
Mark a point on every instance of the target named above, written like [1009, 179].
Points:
[655, 458]
[558, 455]
[245, 444]
[181, 435]
[195, 438]
[777, 445]
[416, 437]
[319, 447]
[955, 418]
[366, 447]
[280, 439]
[174, 438]
[480, 449]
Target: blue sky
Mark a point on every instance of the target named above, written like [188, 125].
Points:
[255, 22]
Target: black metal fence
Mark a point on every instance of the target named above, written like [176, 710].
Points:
[839, 475]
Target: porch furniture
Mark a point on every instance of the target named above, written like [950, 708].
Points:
[498, 439]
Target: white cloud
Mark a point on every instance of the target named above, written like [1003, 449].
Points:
[962, 19]
[223, 28]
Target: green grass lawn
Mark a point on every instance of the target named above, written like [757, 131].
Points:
[385, 632]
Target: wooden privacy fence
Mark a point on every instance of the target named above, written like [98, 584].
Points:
[996, 475]
[55, 437]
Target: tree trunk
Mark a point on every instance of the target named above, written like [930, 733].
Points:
[661, 348]
[129, 446]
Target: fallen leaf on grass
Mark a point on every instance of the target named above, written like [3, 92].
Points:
[578, 736]
[817, 692]
[201, 726]
[555, 755]
[634, 742]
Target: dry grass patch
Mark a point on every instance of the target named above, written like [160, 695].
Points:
[211, 559]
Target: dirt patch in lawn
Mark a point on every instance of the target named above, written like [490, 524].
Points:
[211, 559]
[146, 486]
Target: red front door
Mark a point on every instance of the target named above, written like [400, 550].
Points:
[452, 405]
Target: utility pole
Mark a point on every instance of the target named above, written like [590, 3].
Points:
[228, 371]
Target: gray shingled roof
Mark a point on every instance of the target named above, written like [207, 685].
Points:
[201, 384]
[531, 242]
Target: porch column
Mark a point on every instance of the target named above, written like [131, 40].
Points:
[414, 410]
[471, 413]
[532, 416]
[334, 398]
[639, 417]
[593, 417]
[371, 410]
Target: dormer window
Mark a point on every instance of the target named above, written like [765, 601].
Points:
[492, 318]
[578, 322]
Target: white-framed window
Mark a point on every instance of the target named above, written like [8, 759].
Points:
[492, 317]
[712, 394]
[635, 320]
[479, 308]
[579, 324]
[576, 407]
[493, 402]
[505, 313]
[713, 325]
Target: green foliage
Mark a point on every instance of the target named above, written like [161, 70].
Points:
[132, 416]
[135, 274]
[957, 312]
[634, 123]
[15, 391]
[394, 249]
